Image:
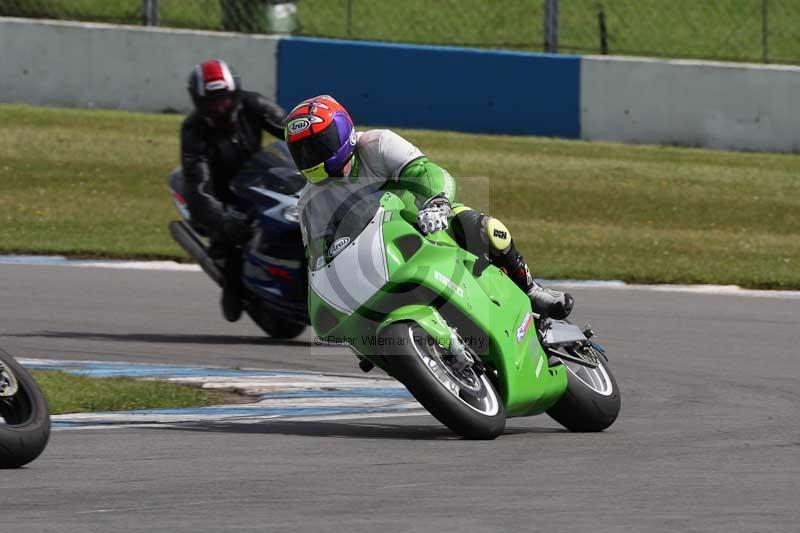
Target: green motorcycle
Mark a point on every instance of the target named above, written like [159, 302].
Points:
[454, 329]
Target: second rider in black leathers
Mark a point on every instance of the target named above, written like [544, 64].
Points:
[217, 138]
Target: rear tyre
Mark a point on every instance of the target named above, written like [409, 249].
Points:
[465, 401]
[592, 401]
[275, 327]
[24, 415]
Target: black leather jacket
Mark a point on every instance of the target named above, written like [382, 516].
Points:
[211, 157]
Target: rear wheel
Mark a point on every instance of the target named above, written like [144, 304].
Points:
[463, 400]
[24, 415]
[592, 401]
[275, 327]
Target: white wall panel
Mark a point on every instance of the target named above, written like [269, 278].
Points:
[693, 103]
[121, 67]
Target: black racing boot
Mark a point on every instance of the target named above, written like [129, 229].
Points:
[550, 303]
[232, 290]
[545, 302]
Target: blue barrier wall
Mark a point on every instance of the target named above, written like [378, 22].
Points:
[436, 87]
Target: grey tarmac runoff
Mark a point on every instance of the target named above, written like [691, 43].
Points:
[708, 438]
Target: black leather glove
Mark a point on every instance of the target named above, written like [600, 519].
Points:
[236, 227]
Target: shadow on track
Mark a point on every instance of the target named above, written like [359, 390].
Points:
[356, 430]
[159, 338]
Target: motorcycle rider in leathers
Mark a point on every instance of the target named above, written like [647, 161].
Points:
[325, 147]
[222, 133]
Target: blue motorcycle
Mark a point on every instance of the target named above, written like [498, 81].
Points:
[274, 263]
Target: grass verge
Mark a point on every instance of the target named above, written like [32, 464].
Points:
[70, 393]
[93, 183]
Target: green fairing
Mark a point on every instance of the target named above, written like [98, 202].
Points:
[426, 316]
[435, 287]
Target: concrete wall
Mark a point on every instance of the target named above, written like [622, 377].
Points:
[717, 105]
[98, 65]
[436, 87]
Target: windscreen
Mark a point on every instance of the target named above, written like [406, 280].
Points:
[334, 214]
[268, 169]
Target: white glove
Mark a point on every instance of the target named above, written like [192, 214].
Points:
[433, 215]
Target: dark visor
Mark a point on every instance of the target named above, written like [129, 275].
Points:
[313, 150]
[218, 106]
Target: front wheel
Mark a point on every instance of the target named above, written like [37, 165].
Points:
[463, 400]
[592, 400]
[24, 415]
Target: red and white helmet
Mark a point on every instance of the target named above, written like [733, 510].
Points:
[215, 90]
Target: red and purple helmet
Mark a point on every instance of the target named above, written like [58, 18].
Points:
[321, 137]
[215, 90]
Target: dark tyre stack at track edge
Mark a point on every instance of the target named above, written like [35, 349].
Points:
[24, 415]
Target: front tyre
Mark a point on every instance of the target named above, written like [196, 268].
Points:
[24, 415]
[465, 401]
[592, 400]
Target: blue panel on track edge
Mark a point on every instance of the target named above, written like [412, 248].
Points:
[441, 88]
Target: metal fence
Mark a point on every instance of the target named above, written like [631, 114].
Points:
[736, 30]
[733, 30]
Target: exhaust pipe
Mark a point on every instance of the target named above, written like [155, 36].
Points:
[192, 245]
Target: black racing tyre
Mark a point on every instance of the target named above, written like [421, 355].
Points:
[465, 401]
[592, 400]
[275, 327]
[24, 415]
